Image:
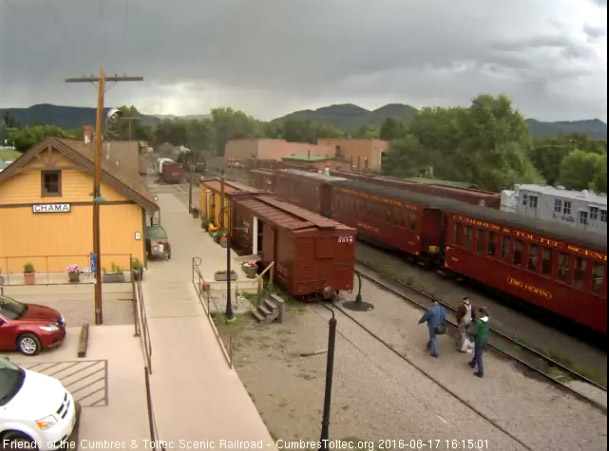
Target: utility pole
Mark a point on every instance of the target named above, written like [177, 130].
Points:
[97, 198]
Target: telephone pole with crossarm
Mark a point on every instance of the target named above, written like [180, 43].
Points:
[97, 198]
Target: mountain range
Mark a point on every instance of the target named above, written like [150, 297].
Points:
[346, 117]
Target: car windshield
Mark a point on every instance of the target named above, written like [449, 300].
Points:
[156, 233]
[11, 380]
[12, 309]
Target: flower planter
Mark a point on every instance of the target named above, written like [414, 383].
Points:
[195, 213]
[223, 276]
[250, 271]
[138, 275]
[211, 233]
[74, 276]
[113, 278]
[30, 278]
[223, 244]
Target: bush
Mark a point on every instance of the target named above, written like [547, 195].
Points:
[28, 268]
[136, 265]
[205, 223]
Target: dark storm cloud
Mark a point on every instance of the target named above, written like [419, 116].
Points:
[271, 56]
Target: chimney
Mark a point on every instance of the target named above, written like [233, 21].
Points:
[87, 134]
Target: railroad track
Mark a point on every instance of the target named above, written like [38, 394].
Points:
[500, 342]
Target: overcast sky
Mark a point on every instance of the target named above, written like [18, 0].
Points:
[272, 57]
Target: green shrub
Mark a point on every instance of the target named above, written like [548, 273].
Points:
[28, 268]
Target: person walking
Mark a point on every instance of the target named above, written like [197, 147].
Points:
[481, 333]
[465, 316]
[434, 317]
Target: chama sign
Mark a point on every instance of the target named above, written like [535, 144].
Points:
[51, 208]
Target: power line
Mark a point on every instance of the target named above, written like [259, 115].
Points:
[125, 34]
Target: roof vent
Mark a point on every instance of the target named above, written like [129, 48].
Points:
[560, 187]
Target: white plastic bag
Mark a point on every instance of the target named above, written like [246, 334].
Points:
[468, 345]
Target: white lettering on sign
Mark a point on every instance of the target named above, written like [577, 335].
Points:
[51, 208]
[345, 239]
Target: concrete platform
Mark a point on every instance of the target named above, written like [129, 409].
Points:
[109, 385]
[197, 397]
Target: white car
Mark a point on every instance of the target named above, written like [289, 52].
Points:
[36, 411]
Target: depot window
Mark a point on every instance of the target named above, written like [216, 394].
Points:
[533, 201]
[557, 205]
[603, 215]
[566, 209]
[51, 183]
[594, 213]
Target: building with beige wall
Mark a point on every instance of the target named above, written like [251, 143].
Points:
[365, 155]
[271, 149]
[46, 208]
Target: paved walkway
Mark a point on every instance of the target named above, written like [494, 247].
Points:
[196, 397]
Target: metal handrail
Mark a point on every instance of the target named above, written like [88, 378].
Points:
[154, 433]
[143, 331]
[199, 283]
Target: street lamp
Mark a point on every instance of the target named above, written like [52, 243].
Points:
[358, 305]
[229, 307]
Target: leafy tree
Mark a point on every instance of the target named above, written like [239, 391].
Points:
[230, 124]
[365, 131]
[9, 121]
[406, 158]
[306, 131]
[392, 129]
[27, 137]
[582, 170]
[599, 182]
[547, 159]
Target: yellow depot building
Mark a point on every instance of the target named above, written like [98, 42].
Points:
[46, 207]
[210, 199]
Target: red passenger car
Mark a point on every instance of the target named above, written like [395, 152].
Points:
[554, 267]
[309, 190]
[311, 253]
[398, 219]
[468, 195]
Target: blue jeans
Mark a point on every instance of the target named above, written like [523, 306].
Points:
[432, 344]
[477, 360]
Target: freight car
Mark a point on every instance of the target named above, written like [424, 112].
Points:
[548, 265]
[309, 190]
[262, 179]
[311, 253]
[172, 172]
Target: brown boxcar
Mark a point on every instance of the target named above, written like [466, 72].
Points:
[309, 190]
[262, 179]
[467, 195]
[172, 172]
[310, 252]
[548, 265]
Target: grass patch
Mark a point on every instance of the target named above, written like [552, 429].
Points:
[9, 154]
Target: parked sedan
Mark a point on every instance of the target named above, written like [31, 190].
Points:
[29, 328]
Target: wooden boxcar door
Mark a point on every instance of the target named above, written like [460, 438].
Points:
[268, 244]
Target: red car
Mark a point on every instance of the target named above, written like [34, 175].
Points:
[29, 328]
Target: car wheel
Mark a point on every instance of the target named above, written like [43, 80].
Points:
[168, 253]
[29, 344]
[17, 440]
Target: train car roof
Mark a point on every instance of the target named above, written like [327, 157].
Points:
[312, 175]
[589, 239]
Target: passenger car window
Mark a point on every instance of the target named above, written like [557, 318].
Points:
[480, 241]
[563, 266]
[533, 254]
[579, 276]
[469, 236]
[518, 252]
[492, 244]
[598, 276]
[505, 248]
[546, 261]
[413, 220]
[459, 234]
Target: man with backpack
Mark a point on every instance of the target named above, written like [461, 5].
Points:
[435, 318]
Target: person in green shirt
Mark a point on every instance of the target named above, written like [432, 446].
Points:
[481, 333]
